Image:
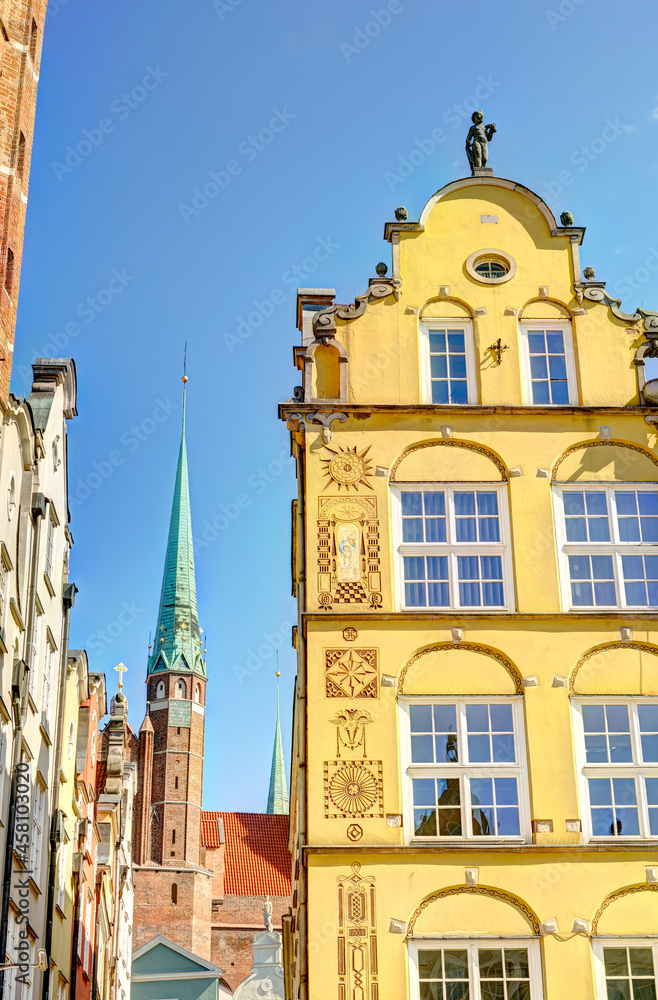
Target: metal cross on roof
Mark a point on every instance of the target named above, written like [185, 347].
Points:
[121, 669]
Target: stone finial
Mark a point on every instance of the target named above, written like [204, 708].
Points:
[401, 213]
[566, 219]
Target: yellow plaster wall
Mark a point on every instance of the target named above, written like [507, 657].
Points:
[565, 888]
[383, 344]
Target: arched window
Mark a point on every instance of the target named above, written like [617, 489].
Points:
[160, 690]
[71, 739]
[174, 892]
[181, 690]
[197, 693]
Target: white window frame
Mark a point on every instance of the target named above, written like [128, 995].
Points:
[39, 816]
[50, 546]
[634, 770]
[519, 770]
[48, 679]
[60, 891]
[472, 944]
[35, 651]
[614, 547]
[598, 944]
[5, 585]
[441, 323]
[530, 326]
[451, 548]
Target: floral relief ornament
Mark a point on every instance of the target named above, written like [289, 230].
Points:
[354, 790]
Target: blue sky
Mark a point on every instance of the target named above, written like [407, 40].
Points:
[305, 124]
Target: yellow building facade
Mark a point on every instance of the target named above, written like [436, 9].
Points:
[474, 800]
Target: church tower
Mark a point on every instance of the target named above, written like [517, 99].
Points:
[277, 799]
[171, 886]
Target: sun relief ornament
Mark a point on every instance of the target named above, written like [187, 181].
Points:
[348, 468]
[353, 790]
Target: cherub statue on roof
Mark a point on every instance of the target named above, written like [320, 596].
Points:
[477, 140]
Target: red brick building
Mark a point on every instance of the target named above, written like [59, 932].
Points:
[21, 36]
[201, 878]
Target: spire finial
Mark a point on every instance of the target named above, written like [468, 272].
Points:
[277, 800]
[121, 669]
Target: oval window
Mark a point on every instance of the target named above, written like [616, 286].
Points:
[490, 266]
[491, 269]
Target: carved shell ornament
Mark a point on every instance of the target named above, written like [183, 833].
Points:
[348, 468]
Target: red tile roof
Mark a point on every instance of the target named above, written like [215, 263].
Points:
[257, 859]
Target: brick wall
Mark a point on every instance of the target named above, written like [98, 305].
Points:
[185, 921]
[21, 35]
[235, 920]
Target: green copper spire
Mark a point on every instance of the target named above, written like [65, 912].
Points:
[277, 800]
[177, 644]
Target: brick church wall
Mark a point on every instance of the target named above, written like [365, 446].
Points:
[184, 922]
[235, 920]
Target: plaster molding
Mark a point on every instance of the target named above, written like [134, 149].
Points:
[454, 443]
[596, 293]
[326, 419]
[643, 647]
[477, 890]
[472, 647]
[630, 890]
[324, 321]
[601, 444]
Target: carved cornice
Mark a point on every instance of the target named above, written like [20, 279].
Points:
[324, 321]
[601, 444]
[477, 890]
[596, 293]
[453, 443]
[630, 890]
[644, 647]
[326, 419]
[471, 647]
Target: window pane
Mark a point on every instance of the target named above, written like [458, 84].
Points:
[641, 961]
[422, 750]
[421, 718]
[464, 504]
[435, 504]
[412, 503]
[439, 366]
[540, 393]
[538, 367]
[450, 823]
[456, 341]
[424, 791]
[437, 341]
[536, 343]
[440, 392]
[430, 965]
[477, 718]
[516, 963]
[503, 748]
[574, 504]
[554, 342]
[458, 366]
[615, 961]
[617, 718]
[491, 963]
[424, 822]
[557, 367]
[412, 529]
[458, 392]
[444, 718]
[479, 749]
[501, 718]
[596, 748]
[600, 792]
[593, 719]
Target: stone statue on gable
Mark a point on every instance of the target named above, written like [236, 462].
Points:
[477, 141]
[267, 914]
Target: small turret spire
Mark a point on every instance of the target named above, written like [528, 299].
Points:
[277, 800]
